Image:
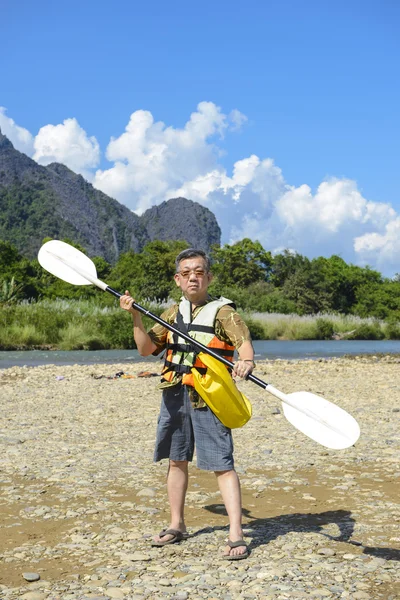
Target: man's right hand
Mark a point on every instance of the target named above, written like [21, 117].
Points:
[144, 343]
[126, 302]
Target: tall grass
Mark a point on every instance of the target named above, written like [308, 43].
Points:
[275, 326]
[87, 325]
[66, 325]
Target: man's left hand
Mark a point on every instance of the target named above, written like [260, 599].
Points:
[242, 368]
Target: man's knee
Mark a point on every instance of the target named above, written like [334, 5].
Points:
[180, 464]
[218, 473]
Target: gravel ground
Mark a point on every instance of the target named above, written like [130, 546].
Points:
[81, 498]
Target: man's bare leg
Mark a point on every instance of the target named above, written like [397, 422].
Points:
[177, 483]
[229, 486]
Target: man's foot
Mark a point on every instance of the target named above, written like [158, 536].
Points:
[236, 550]
[169, 536]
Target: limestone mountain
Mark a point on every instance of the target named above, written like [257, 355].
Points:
[182, 219]
[52, 201]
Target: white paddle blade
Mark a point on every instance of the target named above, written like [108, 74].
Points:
[321, 420]
[67, 263]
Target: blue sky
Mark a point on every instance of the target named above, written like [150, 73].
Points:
[282, 117]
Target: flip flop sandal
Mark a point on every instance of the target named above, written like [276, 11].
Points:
[237, 544]
[178, 536]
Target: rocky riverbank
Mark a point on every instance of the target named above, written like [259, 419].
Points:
[80, 497]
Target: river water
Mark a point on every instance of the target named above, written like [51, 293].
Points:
[264, 349]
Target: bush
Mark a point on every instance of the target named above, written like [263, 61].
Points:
[367, 332]
[392, 330]
[324, 329]
[300, 330]
[116, 330]
[256, 329]
[78, 336]
[20, 336]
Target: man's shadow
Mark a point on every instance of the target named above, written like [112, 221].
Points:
[262, 531]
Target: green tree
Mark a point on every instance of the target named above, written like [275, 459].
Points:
[241, 264]
[126, 272]
[339, 281]
[14, 266]
[158, 269]
[380, 300]
[322, 284]
[286, 264]
[348, 279]
[307, 289]
[103, 268]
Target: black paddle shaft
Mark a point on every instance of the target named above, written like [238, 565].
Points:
[186, 337]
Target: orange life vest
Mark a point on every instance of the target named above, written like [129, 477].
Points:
[180, 356]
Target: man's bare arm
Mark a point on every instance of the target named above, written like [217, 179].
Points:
[245, 365]
[144, 343]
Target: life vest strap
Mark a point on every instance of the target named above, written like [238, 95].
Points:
[179, 347]
[182, 369]
[170, 366]
[223, 351]
[186, 348]
[201, 328]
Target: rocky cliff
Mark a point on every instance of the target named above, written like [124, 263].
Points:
[182, 219]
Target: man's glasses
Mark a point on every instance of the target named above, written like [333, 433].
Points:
[185, 274]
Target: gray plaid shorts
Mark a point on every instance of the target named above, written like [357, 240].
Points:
[181, 429]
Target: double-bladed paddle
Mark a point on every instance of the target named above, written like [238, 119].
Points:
[319, 419]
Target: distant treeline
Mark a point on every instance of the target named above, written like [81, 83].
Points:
[286, 283]
[342, 300]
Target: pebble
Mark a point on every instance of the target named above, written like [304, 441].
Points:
[81, 497]
[137, 556]
[115, 593]
[31, 576]
[150, 492]
[326, 551]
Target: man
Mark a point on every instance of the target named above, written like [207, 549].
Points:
[185, 420]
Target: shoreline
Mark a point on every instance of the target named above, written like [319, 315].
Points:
[264, 350]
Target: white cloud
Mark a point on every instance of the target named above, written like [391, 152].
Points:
[237, 119]
[69, 144]
[381, 249]
[20, 137]
[151, 159]
[337, 204]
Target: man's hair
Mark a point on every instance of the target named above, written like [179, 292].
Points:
[192, 253]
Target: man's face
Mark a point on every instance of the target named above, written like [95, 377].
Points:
[193, 278]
